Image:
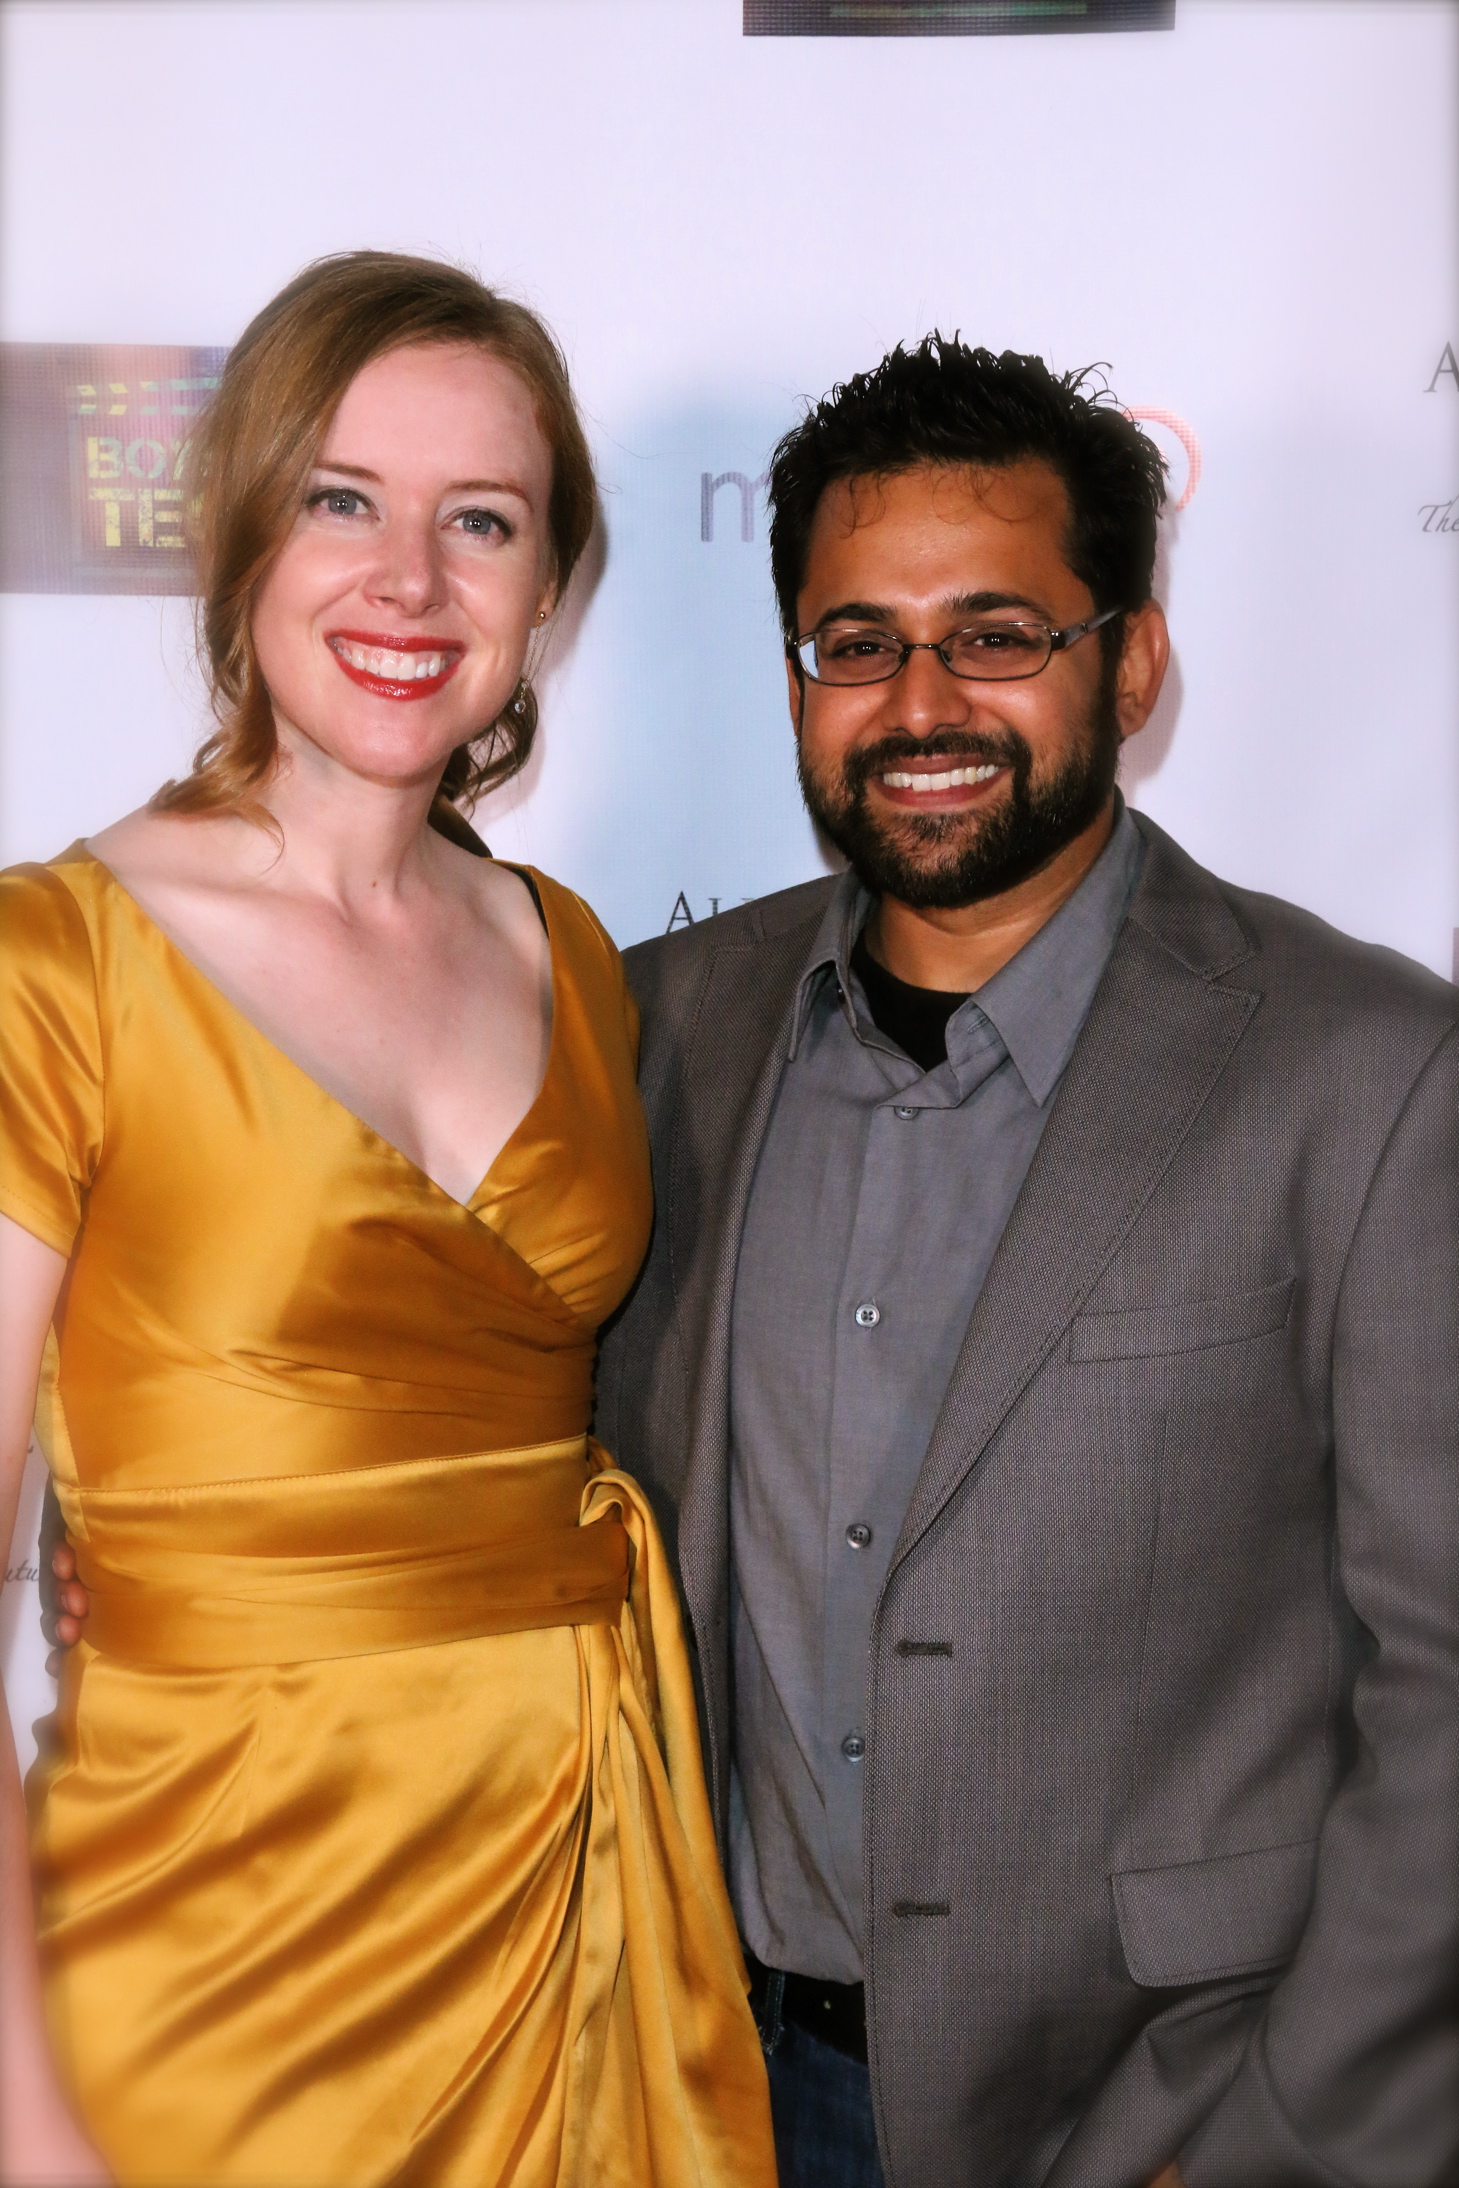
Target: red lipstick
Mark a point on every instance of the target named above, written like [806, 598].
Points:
[384, 664]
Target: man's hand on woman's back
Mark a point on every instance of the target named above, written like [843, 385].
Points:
[64, 1602]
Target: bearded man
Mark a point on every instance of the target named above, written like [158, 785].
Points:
[1047, 1367]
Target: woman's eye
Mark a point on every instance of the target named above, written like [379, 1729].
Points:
[481, 523]
[337, 501]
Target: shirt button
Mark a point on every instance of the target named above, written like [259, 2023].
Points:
[853, 1747]
[868, 1314]
[858, 1535]
[902, 1111]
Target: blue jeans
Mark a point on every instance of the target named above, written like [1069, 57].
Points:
[820, 2104]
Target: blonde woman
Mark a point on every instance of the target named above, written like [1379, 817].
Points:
[370, 1844]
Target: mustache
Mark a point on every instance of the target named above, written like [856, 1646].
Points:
[964, 747]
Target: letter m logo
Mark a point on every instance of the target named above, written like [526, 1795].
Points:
[709, 486]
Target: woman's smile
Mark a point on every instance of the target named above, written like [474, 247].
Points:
[395, 668]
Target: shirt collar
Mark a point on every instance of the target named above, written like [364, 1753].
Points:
[842, 922]
[1039, 1000]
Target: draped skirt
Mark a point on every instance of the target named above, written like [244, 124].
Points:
[372, 1843]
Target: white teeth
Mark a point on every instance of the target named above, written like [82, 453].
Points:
[954, 778]
[391, 667]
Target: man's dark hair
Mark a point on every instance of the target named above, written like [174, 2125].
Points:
[945, 403]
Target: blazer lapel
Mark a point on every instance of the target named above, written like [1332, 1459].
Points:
[1157, 1038]
[733, 1066]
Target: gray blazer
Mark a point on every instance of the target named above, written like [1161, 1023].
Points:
[1161, 1849]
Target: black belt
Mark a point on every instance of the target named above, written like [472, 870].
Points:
[835, 2013]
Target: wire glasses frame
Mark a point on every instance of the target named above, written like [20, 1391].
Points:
[989, 652]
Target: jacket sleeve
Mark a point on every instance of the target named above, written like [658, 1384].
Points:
[1351, 2078]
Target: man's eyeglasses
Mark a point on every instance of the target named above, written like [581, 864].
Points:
[997, 649]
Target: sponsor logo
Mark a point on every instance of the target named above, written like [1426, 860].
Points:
[1442, 516]
[951, 19]
[749, 489]
[1185, 434]
[94, 465]
[682, 916]
[1446, 369]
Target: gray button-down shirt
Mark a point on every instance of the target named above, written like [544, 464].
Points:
[879, 1199]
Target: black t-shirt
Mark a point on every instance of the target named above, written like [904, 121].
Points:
[915, 1018]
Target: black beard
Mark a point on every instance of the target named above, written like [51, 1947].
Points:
[940, 861]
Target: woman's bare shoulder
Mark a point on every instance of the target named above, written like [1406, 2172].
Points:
[498, 893]
[179, 849]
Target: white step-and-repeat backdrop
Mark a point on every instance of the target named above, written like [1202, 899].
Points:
[1247, 210]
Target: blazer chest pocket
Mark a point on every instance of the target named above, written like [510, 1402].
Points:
[1204, 1919]
[1190, 1325]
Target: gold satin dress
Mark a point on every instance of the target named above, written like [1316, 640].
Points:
[370, 1834]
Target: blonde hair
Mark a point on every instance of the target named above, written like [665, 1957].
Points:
[249, 463]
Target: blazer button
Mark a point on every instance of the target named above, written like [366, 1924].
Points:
[902, 1110]
[853, 1747]
[858, 1535]
[868, 1314]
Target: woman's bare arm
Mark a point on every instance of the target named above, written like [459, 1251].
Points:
[41, 2145]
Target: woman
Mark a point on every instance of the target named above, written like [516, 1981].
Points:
[372, 1845]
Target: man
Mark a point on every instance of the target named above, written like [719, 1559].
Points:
[1047, 1373]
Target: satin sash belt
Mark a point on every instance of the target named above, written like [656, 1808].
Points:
[295, 1569]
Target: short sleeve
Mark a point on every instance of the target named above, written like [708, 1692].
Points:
[51, 1106]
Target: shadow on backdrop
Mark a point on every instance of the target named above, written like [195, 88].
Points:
[547, 663]
[1145, 755]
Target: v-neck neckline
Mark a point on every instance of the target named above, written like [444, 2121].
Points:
[236, 1011]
